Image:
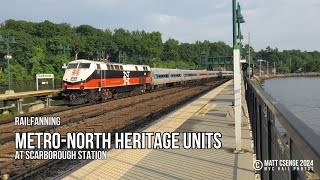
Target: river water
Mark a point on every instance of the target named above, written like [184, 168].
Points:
[300, 95]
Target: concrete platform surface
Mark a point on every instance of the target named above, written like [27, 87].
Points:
[209, 113]
[19, 95]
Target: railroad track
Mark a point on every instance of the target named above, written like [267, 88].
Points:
[61, 108]
[119, 116]
[79, 114]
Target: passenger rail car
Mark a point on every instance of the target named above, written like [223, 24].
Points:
[86, 80]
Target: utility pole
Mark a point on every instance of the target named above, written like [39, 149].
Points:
[274, 67]
[253, 68]
[234, 22]
[290, 65]
[290, 62]
[267, 67]
[260, 60]
[237, 18]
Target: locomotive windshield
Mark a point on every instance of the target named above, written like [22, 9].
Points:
[72, 66]
[84, 65]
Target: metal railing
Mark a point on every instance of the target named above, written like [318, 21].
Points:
[280, 135]
[30, 85]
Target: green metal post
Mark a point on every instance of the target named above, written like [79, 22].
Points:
[238, 21]
[100, 54]
[237, 18]
[8, 66]
[234, 22]
[6, 41]
[64, 47]
[64, 54]
[239, 31]
[249, 55]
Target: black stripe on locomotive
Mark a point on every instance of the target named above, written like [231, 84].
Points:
[105, 74]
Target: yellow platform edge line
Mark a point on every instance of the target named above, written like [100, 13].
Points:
[119, 162]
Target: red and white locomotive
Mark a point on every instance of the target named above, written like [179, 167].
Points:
[86, 80]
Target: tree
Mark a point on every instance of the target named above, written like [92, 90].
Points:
[171, 50]
[37, 49]
[152, 46]
[37, 61]
[78, 43]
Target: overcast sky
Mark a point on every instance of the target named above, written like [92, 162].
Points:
[286, 24]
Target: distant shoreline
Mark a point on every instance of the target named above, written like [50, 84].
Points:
[261, 78]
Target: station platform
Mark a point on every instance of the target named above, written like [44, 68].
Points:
[20, 95]
[209, 113]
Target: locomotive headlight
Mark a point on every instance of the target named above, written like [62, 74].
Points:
[82, 87]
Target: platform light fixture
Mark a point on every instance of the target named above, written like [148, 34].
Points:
[8, 41]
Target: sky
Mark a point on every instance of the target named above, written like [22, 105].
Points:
[285, 24]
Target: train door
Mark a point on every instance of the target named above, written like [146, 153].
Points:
[103, 72]
[99, 72]
[143, 79]
[152, 76]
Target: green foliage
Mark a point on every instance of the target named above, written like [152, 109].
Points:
[18, 74]
[171, 50]
[284, 70]
[287, 61]
[173, 64]
[37, 50]
[10, 114]
[37, 61]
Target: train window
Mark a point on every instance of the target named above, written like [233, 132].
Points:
[72, 66]
[121, 68]
[117, 67]
[175, 75]
[112, 67]
[136, 68]
[108, 66]
[84, 65]
[98, 66]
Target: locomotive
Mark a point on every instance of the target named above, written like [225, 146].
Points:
[87, 80]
